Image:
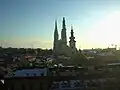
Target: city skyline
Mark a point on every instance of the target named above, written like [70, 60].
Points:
[28, 23]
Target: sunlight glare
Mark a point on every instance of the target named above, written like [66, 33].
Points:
[107, 30]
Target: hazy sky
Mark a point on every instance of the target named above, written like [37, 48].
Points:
[30, 23]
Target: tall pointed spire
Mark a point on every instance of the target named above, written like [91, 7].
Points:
[71, 27]
[72, 34]
[56, 31]
[56, 36]
[72, 31]
[56, 39]
[63, 23]
[63, 32]
[55, 24]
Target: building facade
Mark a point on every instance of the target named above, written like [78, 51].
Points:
[60, 46]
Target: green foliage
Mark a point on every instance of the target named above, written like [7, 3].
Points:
[102, 60]
[76, 59]
[79, 59]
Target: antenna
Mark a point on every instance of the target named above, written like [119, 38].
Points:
[115, 46]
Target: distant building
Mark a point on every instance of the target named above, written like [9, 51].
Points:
[60, 46]
[29, 72]
[106, 54]
[89, 51]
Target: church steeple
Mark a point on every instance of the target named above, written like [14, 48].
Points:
[55, 24]
[72, 39]
[63, 32]
[56, 36]
[56, 31]
[72, 33]
[63, 23]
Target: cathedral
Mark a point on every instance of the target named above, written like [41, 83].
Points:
[60, 46]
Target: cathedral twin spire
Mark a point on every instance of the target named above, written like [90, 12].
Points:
[63, 34]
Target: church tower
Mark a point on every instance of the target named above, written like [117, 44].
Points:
[72, 42]
[56, 36]
[63, 32]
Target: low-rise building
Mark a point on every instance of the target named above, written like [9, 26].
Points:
[28, 72]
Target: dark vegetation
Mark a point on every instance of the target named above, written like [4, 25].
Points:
[79, 59]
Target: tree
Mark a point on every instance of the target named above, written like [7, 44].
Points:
[79, 59]
[102, 60]
[76, 60]
[24, 63]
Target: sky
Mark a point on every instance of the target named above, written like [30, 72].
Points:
[30, 23]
